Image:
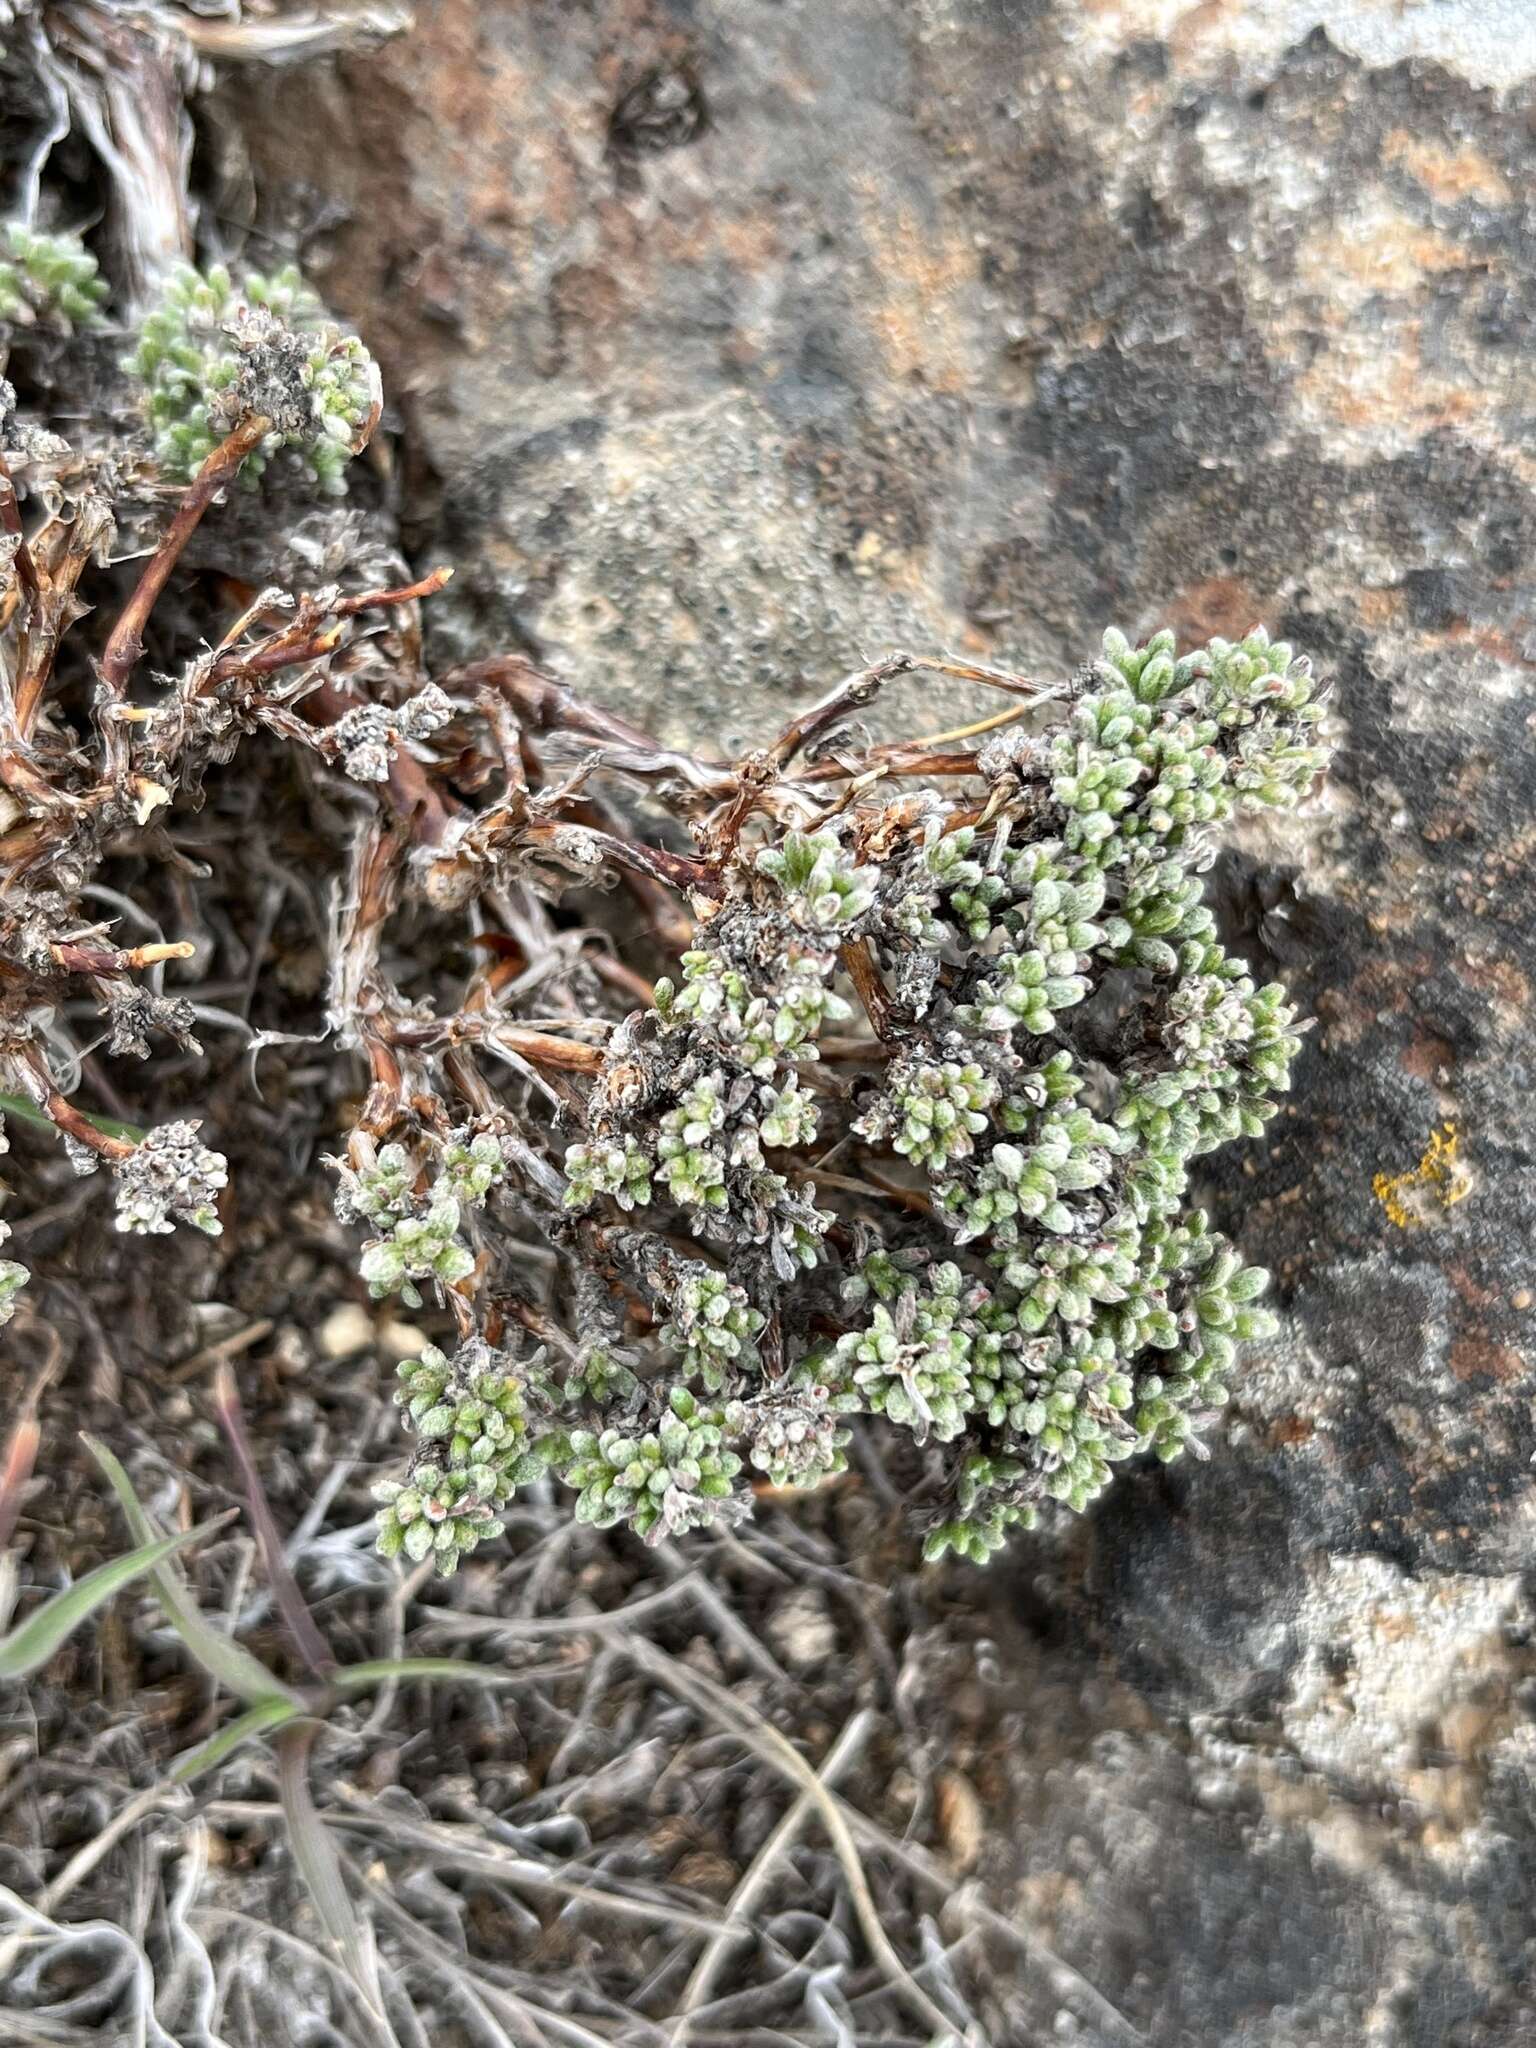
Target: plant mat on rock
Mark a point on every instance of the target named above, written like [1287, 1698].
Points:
[724, 1786]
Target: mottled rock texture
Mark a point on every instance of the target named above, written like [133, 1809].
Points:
[738, 340]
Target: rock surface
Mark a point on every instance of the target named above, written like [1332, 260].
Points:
[739, 342]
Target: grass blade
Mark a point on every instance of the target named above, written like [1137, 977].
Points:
[28, 1113]
[314, 1855]
[27, 1648]
[223, 1659]
[257, 1720]
[362, 1677]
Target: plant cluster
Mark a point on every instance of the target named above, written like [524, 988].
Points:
[47, 281]
[209, 354]
[908, 1131]
[1057, 1035]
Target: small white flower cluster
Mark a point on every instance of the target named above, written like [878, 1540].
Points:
[170, 1178]
[366, 736]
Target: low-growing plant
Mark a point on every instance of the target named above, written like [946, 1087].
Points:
[48, 281]
[211, 353]
[907, 1132]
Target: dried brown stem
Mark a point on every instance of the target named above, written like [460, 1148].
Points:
[107, 960]
[543, 1048]
[627, 980]
[29, 1070]
[74, 1124]
[291, 1603]
[851, 694]
[670, 926]
[10, 520]
[994, 678]
[859, 964]
[304, 640]
[876, 1189]
[126, 644]
[411, 793]
[894, 758]
[58, 556]
[545, 706]
[400, 593]
[695, 877]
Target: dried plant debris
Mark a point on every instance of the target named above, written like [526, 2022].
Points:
[907, 1131]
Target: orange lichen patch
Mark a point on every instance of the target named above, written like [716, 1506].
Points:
[1378, 379]
[1221, 606]
[1292, 1429]
[1364, 280]
[1481, 1358]
[1379, 608]
[1428, 1056]
[1447, 174]
[1445, 823]
[1439, 1181]
[1496, 643]
[1471, 1291]
[925, 276]
[1386, 985]
[1503, 981]
[1374, 251]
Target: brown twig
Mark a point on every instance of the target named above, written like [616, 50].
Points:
[543, 1048]
[695, 877]
[545, 706]
[126, 643]
[877, 1189]
[669, 925]
[859, 964]
[851, 694]
[79, 959]
[894, 758]
[400, 593]
[303, 640]
[994, 678]
[79, 1127]
[58, 556]
[30, 1069]
[412, 795]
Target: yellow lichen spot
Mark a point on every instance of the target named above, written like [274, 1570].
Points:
[1439, 1181]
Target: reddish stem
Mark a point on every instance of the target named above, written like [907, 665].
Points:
[79, 1127]
[412, 795]
[291, 1603]
[77, 959]
[20, 1457]
[543, 1048]
[293, 648]
[126, 644]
